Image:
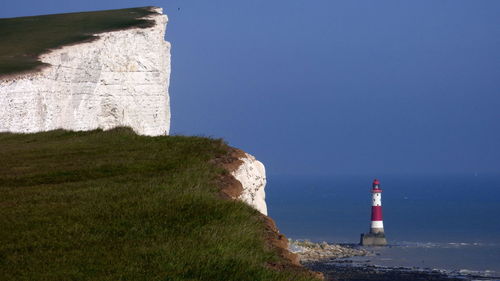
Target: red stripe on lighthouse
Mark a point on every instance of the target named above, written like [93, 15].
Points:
[376, 213]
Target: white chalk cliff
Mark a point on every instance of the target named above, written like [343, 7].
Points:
[120, 79]
[252, 176]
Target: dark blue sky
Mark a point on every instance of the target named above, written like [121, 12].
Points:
[333, 87]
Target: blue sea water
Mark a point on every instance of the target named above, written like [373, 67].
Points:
[446, 222]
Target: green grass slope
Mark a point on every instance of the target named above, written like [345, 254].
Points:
[23, 39]
[117, 206]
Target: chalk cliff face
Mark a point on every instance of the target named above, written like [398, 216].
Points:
[120, 79]
[252, 176]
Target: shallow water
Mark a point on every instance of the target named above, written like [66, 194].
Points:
[451, 221]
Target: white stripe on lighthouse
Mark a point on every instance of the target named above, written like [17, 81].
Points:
[377, 199]
[377, 224]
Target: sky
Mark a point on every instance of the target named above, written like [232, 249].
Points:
[333, 87]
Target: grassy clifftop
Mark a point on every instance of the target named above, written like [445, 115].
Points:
[117, 206]
[23, 39]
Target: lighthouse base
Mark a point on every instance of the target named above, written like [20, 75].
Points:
[373, 239]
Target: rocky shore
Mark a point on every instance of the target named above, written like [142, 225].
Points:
[309, 251]
[332, 261]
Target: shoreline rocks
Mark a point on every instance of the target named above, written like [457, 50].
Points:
[333, 261]
[309, 251]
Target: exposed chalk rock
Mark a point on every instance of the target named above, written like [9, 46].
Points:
[120, 79]
[309, 251]
[252, 176]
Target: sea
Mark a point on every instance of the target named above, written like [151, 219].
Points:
[447, 222]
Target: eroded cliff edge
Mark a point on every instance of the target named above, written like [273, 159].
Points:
[245, 181]
[120, 78]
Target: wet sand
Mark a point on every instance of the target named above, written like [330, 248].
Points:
[342, 272]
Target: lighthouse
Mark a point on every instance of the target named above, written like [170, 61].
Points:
[376, 236]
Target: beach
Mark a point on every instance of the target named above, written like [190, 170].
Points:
[352, 262]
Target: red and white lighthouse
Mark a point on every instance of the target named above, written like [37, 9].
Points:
[376, 236]
[377, 225]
